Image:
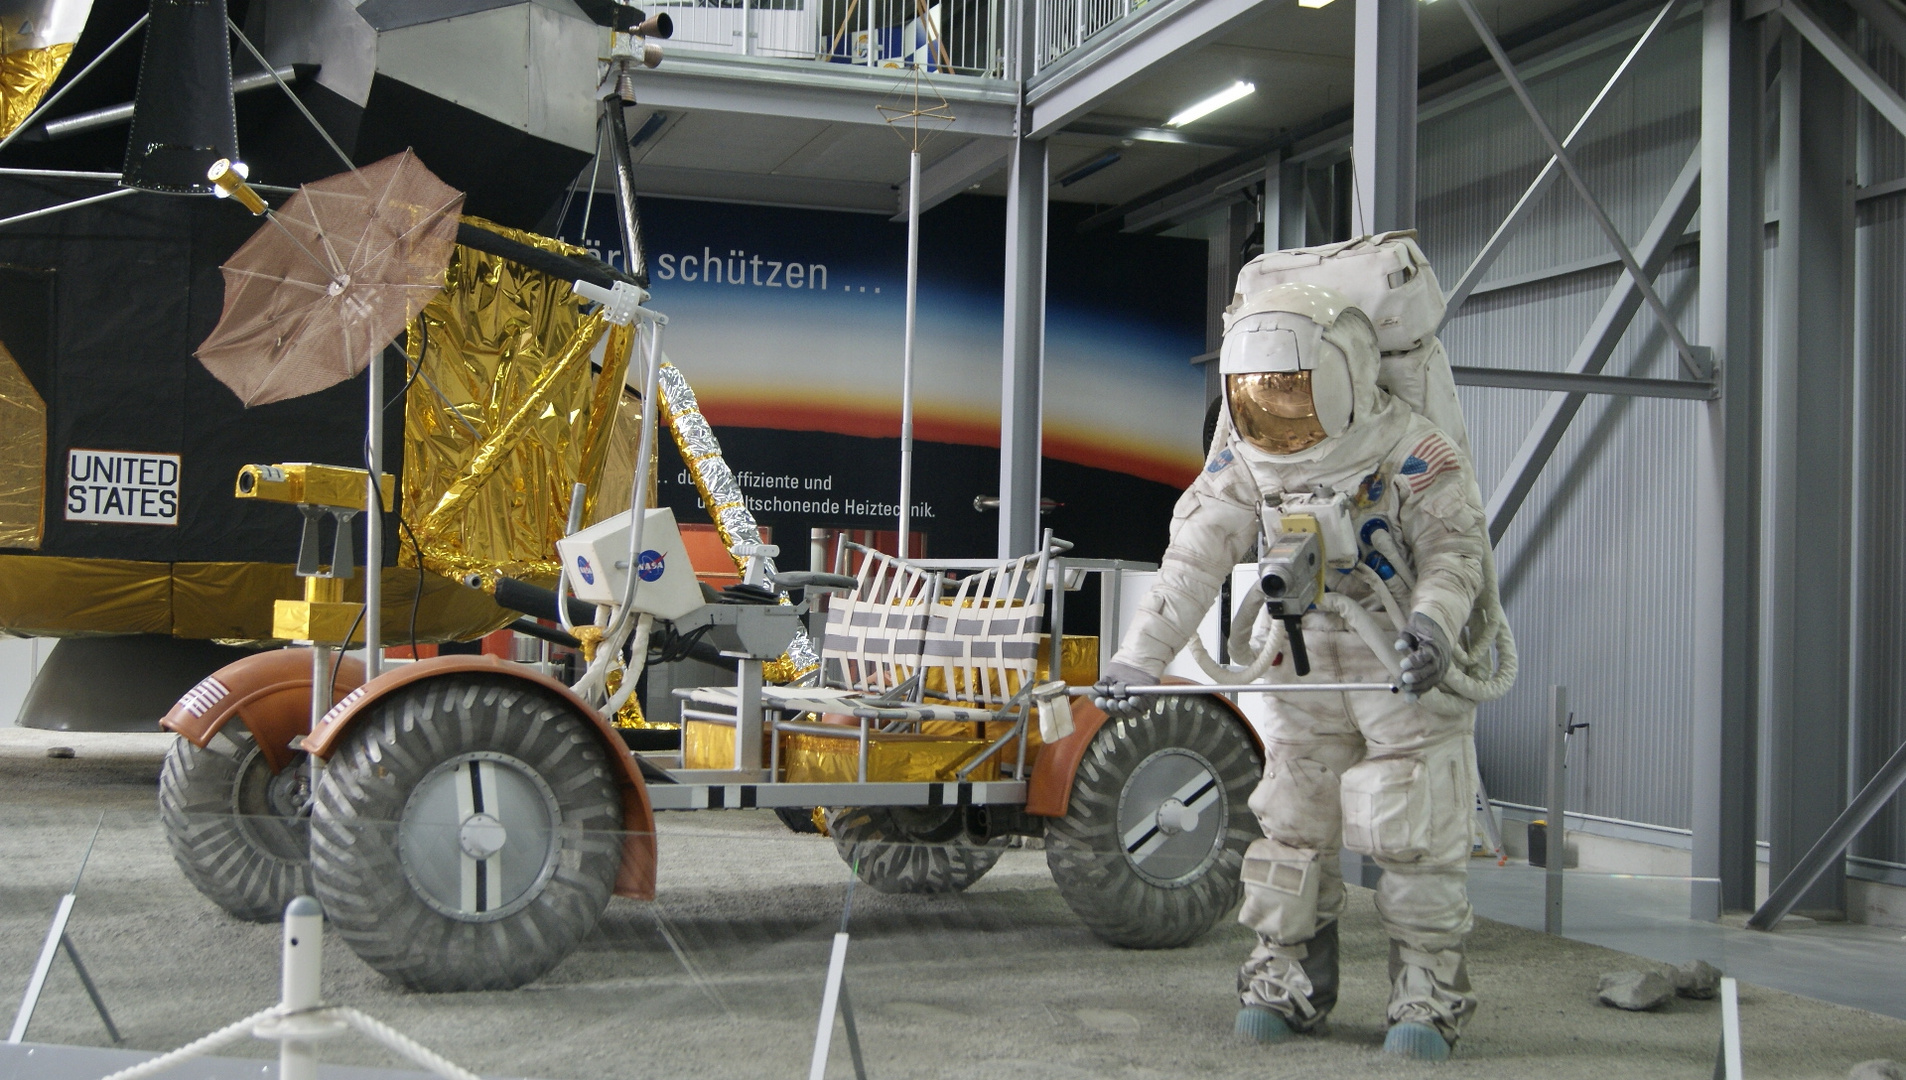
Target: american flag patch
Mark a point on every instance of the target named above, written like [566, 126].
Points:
[1432, 458]
[199, 700]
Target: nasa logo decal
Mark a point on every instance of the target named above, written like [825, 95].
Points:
[582, 567]
[649, 566]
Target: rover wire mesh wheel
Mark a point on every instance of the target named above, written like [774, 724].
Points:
[465, 835]
[1148, 852]
[912, 849]
[237, 831]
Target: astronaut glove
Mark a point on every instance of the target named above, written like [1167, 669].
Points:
[1425, 652]
[1111, 695]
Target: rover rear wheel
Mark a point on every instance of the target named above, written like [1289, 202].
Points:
[912, 849]
[239, 832]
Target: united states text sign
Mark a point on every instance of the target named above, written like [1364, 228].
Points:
[121, 487]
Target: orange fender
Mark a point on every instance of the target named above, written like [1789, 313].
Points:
[1050, 792]
[637, 877]
[269, 692]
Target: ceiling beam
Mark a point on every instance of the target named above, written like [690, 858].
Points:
[1078, 84]
[763, 189]
[1137, 132]
[834, 93]
[1217, 180]
[956, 172]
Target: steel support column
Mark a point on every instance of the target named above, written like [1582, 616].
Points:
[1284, 222]
[1383, 122]
[1724, 518]
[1023, 366]
[1808, 388]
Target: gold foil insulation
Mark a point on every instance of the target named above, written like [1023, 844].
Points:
[25, 77]
[504, 417]
[721, 494]
[892, 757]
[22, 457]
[36, 37]
[220, 601]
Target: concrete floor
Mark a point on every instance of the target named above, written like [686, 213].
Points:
[721, 976]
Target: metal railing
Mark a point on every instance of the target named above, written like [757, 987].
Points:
[1063, 26]
[957, 37]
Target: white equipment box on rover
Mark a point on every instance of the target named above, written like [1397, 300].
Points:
[597, 561]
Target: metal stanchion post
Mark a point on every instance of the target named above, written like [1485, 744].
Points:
[1557, 854]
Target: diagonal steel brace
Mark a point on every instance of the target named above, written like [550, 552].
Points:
[1545, 179]
[1699, 362]
[1876, 90]
[1618, 310]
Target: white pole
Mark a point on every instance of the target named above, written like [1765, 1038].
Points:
[906, 363]
[830, 1006]
[374, 526]
[303, 970]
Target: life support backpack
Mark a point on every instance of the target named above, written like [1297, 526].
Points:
[1388, 278]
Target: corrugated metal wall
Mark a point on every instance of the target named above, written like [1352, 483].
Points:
[1596, 568]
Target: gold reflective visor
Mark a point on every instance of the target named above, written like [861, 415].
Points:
[1273, 410]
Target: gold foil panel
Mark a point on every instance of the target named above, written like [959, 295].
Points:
[218, 601]
[233, 602]
[599, 439]
[25, 76]
[711, 746]
[50, 597]
[504, 417]
[891, 758]
[1078, 666]
[618, 463]
[22, 457]
[1078, 659]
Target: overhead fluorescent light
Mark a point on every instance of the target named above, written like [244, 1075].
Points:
[1313, 3]
[1235, 92]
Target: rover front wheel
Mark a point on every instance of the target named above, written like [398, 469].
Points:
[1148, 852]
[464, 835]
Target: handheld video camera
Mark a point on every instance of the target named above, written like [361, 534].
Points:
[1291, 575]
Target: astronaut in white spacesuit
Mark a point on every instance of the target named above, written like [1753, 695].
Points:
[1388, 774]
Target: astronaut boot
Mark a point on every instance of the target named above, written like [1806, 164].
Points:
[1430, 999]
[1288, 989]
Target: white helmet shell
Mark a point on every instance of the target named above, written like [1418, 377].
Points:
[1298, 327]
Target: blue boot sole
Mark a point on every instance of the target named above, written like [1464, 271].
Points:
[1261, 1025]
[1418, 1042]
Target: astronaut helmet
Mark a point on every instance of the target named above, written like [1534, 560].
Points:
[1299, 365]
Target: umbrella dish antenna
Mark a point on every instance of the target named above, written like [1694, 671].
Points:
[916, 111]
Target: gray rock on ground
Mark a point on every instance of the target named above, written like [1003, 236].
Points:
[1877, 1069]
[1696, 979]
[1635, 991]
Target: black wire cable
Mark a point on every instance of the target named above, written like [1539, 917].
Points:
[417, 598]
[337, 662]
